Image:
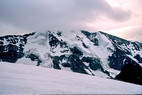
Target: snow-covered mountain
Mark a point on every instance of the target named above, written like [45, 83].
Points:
[94, 53]
[19, 79]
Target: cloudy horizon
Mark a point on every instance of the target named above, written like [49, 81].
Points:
[120, 18]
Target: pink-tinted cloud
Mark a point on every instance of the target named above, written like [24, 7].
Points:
[33, 15]
[130, 29]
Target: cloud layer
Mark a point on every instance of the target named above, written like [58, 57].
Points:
[23, 16]
[58, 14]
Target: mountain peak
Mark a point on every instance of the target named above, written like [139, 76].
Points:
[94, 53]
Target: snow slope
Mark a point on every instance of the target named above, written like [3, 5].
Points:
[28, 80]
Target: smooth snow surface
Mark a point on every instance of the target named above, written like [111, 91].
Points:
[31, 80]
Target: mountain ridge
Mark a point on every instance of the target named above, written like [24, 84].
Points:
[85, 52]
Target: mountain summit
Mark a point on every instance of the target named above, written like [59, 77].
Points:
[94, 53]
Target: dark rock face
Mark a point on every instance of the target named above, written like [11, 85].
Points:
[11, 52]
[131, 72]
[138, 58]
[75, 62]
[116, 59]
[12, 49]
[91, 37]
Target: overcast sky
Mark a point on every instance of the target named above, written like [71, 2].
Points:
[118, 17]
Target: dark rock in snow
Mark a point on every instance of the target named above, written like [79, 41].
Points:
[131, 72]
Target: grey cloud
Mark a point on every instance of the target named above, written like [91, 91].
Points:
[60, 14]
[119, 14]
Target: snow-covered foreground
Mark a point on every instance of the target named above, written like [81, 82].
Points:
[24, 79]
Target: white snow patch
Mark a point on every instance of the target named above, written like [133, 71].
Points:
[25, 79]
[133, 58]
[26, 61]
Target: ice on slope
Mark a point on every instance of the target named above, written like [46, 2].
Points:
[38, 44]
[75, 39]
[23, 79]
[132, 47]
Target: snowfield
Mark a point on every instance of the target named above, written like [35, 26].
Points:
[31, 80]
